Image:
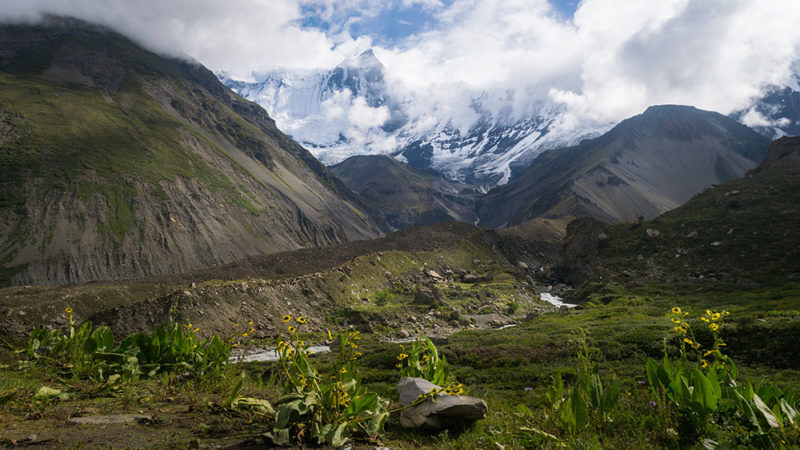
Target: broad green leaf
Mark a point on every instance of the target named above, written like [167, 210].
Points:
[766, 412]
[789, 412]
[581, 412]
[748, 411]
[337, 440]
[703, 393]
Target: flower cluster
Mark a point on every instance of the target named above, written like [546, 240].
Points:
[712, 319]
[241, 333]
[452, 389]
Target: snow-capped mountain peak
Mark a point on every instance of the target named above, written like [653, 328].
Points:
[350, 110]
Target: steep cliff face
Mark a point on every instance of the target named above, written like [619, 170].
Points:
[118, 163]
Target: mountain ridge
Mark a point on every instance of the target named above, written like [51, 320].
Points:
[644, 166]
[118, 163]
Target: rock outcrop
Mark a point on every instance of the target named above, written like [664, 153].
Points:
[439, 413]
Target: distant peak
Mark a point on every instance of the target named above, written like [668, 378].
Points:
[367, 58]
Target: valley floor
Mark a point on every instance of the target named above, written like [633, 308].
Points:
[511, 368]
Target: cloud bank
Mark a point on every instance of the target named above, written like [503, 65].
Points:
[610, 60]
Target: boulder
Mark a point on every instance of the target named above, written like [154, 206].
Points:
[428, 296]
[444, 411]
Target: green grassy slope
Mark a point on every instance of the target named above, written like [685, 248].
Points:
[118, 163]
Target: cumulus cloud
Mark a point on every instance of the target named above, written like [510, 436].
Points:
[238, 36]
[609, 61]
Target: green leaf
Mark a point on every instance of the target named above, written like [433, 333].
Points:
[237, 389]
[580, 410]
[47, 392]
[287, 413]
[337, 440]
[703, 393]
[766, 412]
[789, 412]
[747, 410]
[362, 403]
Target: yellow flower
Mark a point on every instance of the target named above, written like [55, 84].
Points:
[68, 310]
[675, 320]
[194, 346]
[196, 330]
[250, 323]
[688, 341]
[330, 336]
[301, 319]
[399, 365]
[715, 316]
[357, 354]
[236, 324]
[287, 318]
[708, 353]
[308, 352]
[708, 311]
[402, 356]
[244, 334]
[714, 327]
[292, 330]
[680, 329]
[425, 358]
[676, 310]
[342, 370]
[703, 363]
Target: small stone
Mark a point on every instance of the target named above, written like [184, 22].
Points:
[522, 265]
[404, 334]
[652, 233]
[433, 274]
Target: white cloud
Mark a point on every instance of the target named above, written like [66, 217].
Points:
[612, 60]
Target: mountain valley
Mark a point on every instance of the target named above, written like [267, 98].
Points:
[151, 210]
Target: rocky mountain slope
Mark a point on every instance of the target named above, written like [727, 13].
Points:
[644, 166]
[439, 279]
[742, 233]
[117, 163]
[407, 196]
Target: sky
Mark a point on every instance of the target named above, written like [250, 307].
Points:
[598, 59]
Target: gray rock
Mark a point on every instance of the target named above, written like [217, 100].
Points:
[428, 296]
[470, 278]
[652, 233]
[447, 411]
[522, 265]
[433, 274]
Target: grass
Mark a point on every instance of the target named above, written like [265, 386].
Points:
[509, 368]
